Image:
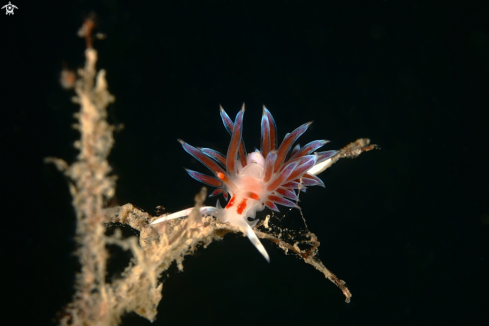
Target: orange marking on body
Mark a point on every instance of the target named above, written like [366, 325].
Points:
[231, 202]
[221, 176]
[242, 206]
[252, 195]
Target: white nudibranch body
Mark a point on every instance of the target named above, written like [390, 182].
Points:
[260, 179]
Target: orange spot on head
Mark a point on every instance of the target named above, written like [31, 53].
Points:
[242, 206]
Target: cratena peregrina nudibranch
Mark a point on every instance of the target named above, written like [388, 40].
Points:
[260, 179]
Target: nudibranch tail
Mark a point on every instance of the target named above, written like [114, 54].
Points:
[206, 210]
[256, 242]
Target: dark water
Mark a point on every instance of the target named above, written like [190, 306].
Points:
[406, 227]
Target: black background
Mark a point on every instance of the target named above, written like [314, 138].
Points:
[407, 227]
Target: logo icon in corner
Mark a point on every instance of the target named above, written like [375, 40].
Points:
[9, 8]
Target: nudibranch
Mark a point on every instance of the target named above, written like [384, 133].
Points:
[264, 178]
